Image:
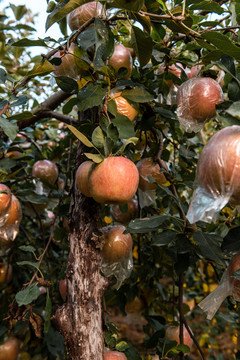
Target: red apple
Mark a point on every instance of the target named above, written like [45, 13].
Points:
[195, 70]
[174, 69]
[121, 58]
[63, 289]
[147, 167]
[124, 217]
[197, 99]
[15, 213]
[68, 66]
[9, 350]
[45, 170]
[5, 203]
[5, 272]
[114, 180]
[82, 177]
[114, 355]
[83, 13]
[172, 333]
[124, 107]
[218, 168]
[116, 244]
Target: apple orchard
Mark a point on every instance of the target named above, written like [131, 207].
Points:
[120, 181]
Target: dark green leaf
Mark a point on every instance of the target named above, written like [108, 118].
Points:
[234, 109]
[3, 75]
[27, 248]
[48, 310]
[164, 238]
[124, 125]
[68, 85]
[209, 246]
[139, 226]
[21, 100]
[28, 295]
[87, 38]
[231, 243]
[91, 95]
[19, 11]
[142, 45]
[208, 5]
[9, 128]
[104, 43]
[137, 94]
[63, 8]
[28, 42]
[21, 116]
[30, 263]
[133, 5]
[223, 43]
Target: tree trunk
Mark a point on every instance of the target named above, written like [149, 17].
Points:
[80, 319]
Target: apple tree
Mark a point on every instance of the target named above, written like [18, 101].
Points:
[119, 170]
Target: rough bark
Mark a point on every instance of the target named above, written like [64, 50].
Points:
[80, 319]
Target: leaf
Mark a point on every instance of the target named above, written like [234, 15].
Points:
[234, 109]
[43, 68]
[122, 346]
[37, 199]
[3, 75]
[21, 116]
[9, 128]
[98, 137]
[231, 243]
[80, 136]
[66, 84]
[28, 295]
[137, 94]
[164, 238]
[48, 310]
[133, 5]
[97, 158]
[139, 226]
[19, 11]
[86, 39]
[90, 96]
[132, 140]
[223, 43]
[27, 42]
[21, 100]
[142, 45]
[208, 5]
[30, 263]
[125, 126]
[27, 248]
[104, 41]
[61, 10]
[208, 246]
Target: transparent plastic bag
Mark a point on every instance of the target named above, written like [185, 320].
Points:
[196, 102]
[5, 203]
[218, 176]
[227, 286]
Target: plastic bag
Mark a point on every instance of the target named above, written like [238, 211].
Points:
[227, 286]
[218, 176]
[196, 102]
[5, 203]
[116, 254]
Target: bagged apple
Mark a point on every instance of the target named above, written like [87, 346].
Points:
[5, 203]
[218, 176]
[227, 286]
[196, 102]
[116, 253]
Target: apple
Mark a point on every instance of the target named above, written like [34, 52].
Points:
[234, 266]
[5, 272]
[147, 167]
[9, 350]
[124, 107]
[197, 99]
[5, 203]
[218, 169]
[172, 333]
[195, 70]
[45, 170]
[135, 306]
[63, 289]
[124, 217]
[82, 177]
[114, 355]
[15, 216]
[68, 66]
[174, 69]
[113, 181]
[116, 244]
[121, 58]
[83, 13]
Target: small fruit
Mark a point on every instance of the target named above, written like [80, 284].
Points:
[121, 58]
[5, 203]
[114, 180]
[68, 66]
[82, 177]
[9, 350]
[45, 170]
[147, 167]
[197, 99]
[172, 333]
[125, 216]
[15, 213]
[124, 107]
[116, 244]
[83, 13]
[63, 289]
[114, 355]
[218, 169]
[5, 272]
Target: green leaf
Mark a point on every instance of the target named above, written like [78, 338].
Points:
[133, 5]
[125, 126]
[223, 43]
[37, 199]
[80, 136]
[164, 238]
[28, 295]
[9, 128]
[48, 310]
[112, 133]
[86, 39]
[30, 263]
[142, 45]
[98, 137]
[61, 10]
[139, 226]
[3, 76]
[27, 248]
[104, 43]
[122, 346]
[210, 6]
[27, 42]
[209, 246]
[132, 140]
[21, 116]
[97, 158]
[91, 95]
[43, 68]
[234, 109]
[19, 11]
[231, 243]
[66, 84]
[137, 94]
